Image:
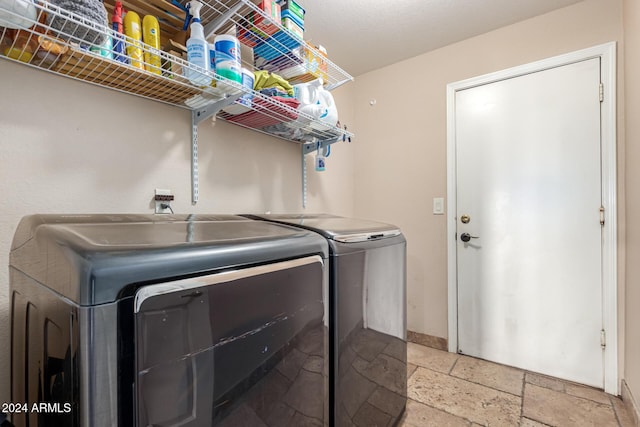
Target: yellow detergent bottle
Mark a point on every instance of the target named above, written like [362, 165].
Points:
[134, 47]
[151, 36]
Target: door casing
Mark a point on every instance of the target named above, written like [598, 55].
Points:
[607, 54]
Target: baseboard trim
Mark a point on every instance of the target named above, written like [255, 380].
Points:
[428, 340]
[630, 403]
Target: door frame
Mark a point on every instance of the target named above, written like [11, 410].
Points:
[607, 54]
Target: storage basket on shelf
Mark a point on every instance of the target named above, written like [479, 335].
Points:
[91, 12]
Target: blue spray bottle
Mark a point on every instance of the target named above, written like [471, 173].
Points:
[118, 39]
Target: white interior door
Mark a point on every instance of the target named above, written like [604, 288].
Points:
[529, 181]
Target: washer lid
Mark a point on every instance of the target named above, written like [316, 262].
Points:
[340, 229]
[95, 259]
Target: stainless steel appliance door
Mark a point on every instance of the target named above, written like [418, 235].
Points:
[241, 347]
[370, 368]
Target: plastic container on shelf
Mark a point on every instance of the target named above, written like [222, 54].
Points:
[151, 36]
[317, 102]
[328, 116]
[17, 14]
[106, 50]
[212, 59]
[307, 93]
[320, 161]
[242, 104]
[23, 47]
[49, 51]
[133, 29]
[118, 39]
[228, 64]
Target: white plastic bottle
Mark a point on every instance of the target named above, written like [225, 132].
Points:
[329, 114]
[197, 50]
[307, 93]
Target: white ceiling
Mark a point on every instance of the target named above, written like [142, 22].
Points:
[363, 35]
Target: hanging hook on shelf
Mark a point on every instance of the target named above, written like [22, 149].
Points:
[344, 135]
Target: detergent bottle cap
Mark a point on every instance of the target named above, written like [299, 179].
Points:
[117, 13]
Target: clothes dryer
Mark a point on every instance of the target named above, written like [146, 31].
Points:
[180, 320]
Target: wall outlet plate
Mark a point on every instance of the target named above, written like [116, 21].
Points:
[163, 197]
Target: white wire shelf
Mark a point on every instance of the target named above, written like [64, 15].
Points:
[64, 43]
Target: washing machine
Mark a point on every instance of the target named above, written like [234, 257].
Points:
[368, 365]
[193, 320]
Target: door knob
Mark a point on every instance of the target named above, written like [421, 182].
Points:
[465, 237]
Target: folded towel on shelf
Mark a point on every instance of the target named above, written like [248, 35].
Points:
[264, 79]
[274, 91]
[266, 113]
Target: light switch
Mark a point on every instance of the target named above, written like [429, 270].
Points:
[438, 206]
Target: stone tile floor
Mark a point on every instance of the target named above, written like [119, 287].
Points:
[447, 389]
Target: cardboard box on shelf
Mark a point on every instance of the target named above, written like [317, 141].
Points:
[295, 29]
[302, 65]
[316, 61]
[175, 46]
[246, 55]
[174, 69]
[263, 27]
[293, 7]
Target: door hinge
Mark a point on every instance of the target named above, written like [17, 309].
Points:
[603, 339]
[601, 215]
[601, 92]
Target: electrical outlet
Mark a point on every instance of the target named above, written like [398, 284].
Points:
[163, 199]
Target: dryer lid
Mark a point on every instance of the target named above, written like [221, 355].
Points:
[340, 229]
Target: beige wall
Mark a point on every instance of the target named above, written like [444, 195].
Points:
[59, 153]
[632, 178]
[71, 147]
[401, 151]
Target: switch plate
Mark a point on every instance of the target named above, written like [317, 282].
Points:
[438, 205]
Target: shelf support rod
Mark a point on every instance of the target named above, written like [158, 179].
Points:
[197, 116]
[310, 147]
[215, 25]
[304, 180]
[194, 159]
